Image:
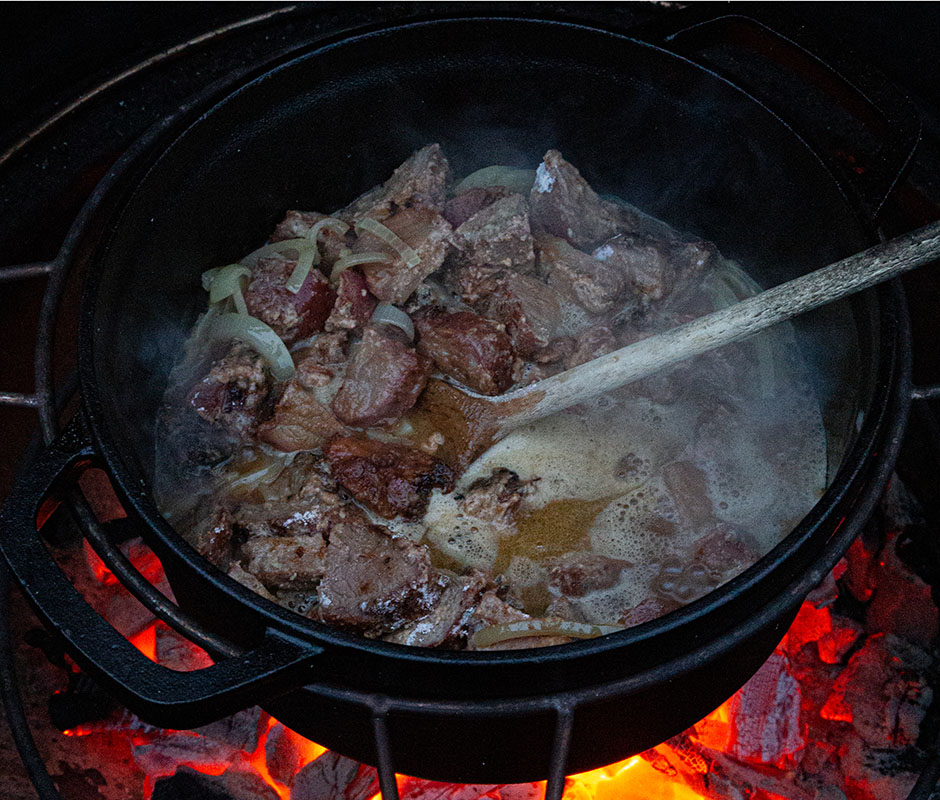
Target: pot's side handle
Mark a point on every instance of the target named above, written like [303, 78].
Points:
[889, 118]
[161, 696]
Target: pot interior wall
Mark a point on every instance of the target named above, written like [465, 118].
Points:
[639, 123]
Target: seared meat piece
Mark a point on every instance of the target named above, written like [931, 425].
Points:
[727, 550]
[212, 538]
[300, 421]
[594, 285]
[354, 303]
[686, 485]
[327, 348]
[468, 347]
[297, 224]
[383, 379]
[496, 498]
[307, 477]
[556, 350]
[234, 392]
[249, 581]
[655, 270]
[563, 204]
[459, 209]
[578, 574]
[650, 608]
[421, 181]
[527, 307]
[375, 582]
[292, 316]
[447, 623]
[498, 235]
[295, 562]
[391, 479]
[422, 229]
[591, 343]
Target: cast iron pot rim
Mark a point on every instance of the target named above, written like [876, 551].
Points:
[145, 153]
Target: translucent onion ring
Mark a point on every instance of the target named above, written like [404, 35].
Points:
[392, 315]
[355, 259]
[310, 256]
[523, 628]
[513, 178]
[260, 336]
[226, 282]
[376, 228]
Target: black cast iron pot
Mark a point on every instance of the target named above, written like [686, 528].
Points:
[641, 122]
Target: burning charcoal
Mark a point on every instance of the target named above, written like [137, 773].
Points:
[383, 380]
[244, 783]
[468, 348]
[564, 205]
[239, 729]
[391, 479]
[354, 303]
[460, 208]
[292, 316]
[591, 343]
[300, 421]
[577, 574]
[186, 784]
[591, 283]
[432, 790]
[175, 652]
[297, 224]
[421, 181]
[162, 753]
[498, 235]
[233, 394]
[425, 231]
[375, 582]
[334, 777]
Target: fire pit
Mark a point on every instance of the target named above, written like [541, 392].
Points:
[638, 764]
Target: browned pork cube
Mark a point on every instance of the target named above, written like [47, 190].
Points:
[496, 498]
[292, 316]
[300, 421]
[375, 582]
[394, 480]
[528, 308]
[460, 208]
[498, 235]
[354, 303]
[422, 229]
[422, 181]
[297, 224]
[212, 537]
[234, 392]
[593, 284]
[383, 379]
[469, 348]
[591, 343]
[285, 561]
[563, 204]
[578, 574]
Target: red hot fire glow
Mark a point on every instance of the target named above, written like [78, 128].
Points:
[834, 713]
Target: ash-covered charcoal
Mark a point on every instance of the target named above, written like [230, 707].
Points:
[292, 316]
[383, 380]
[392, 479]
[278, 456]
[469, 348]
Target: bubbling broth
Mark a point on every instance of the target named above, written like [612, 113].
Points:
[293, 456]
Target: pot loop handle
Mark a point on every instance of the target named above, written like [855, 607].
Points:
[159, 695]
[890, 120]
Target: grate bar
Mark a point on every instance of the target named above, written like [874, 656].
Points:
[22, 272]
[19, 399]
[388, 786]
[555, 786]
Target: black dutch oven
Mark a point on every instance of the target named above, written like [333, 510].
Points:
[314, 131]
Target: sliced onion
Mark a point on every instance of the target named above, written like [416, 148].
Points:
[523, 628]
[299, 246]
[227, 282]
[240, 305]
[355, 259]
[376, 228]
[332, 223]
[260, 336]
[513, 178]
[392, 315]
[310, 256]
[209, 276]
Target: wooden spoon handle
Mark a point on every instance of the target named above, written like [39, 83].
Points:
[727, 325]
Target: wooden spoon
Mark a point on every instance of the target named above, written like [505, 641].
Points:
[471, 423]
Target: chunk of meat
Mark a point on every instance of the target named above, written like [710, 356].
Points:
[234, 393]
[375, 582]
[594, 285]
[391, 479]
[249, 581]
[726, 550]
[686, 485]
[327, 348]
[300, 421]
[460, 208]
[528, 308]
[598, 340]
[498, 235]
[651, 608]
[354, 303]
[297, 224]
[446, 625]
[292, 316]
[655, 270]
[426, 232]
[213, 537]
[578, 574]
[496, 498]
[383, 379]
[468, 347]
[296, 562]
[421, 181]
[563, 204]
